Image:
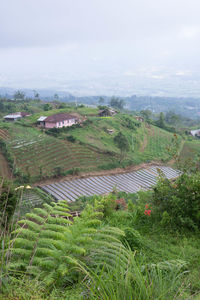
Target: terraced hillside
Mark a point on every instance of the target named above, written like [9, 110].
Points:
[40, 155]
[130, 183]
[4, 134]
[146, 142]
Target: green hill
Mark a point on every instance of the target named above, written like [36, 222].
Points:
[82, 148]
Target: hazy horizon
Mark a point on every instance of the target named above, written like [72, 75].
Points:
[97, 47]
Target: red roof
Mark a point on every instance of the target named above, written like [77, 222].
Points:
[59, 118]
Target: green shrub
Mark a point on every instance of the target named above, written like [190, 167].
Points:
[71, 138]
[178, 204]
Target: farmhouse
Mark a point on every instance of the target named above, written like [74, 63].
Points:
[16, 116]
[57, 121]
[195, 132]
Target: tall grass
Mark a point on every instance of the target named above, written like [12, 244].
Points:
[154, 281]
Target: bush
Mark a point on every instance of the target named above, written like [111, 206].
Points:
[71, 138]
[178, 203]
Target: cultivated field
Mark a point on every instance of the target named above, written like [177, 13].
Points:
[129, 183]
[38, 154]
[4, 134]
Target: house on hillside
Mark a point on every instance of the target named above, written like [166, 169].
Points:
[16, 116]
[195, 133]
[138, 118]
[107, 112]
[57, 121]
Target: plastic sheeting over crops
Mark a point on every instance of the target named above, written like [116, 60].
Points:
[132, 182]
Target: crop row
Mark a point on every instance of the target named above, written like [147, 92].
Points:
[130, 183]
[4, 134]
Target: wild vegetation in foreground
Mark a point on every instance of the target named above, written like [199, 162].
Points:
[123, 246]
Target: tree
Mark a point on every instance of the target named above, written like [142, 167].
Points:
[161, 121]
[19, 95]
[117, 103]
[101, 101]
[146, 114]
[36, 95]
[172, 118]
[122, 143]
[56, 97]
[47, 107]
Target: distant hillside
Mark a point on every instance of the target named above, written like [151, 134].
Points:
[188, 107]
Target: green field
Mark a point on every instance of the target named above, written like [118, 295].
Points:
[38, 154]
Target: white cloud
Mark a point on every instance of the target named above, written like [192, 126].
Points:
[190, 32]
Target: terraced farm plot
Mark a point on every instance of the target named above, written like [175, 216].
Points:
[157, 142]
[190, 150]
[129, 183]
[39, 154]
[4, 167]
[4, 134]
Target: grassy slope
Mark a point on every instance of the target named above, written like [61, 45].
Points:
[35, 151]
[190, 149]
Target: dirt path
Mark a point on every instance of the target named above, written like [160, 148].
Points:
[4, 168]
[101, 173]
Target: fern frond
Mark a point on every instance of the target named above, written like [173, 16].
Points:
[48, 207]
[51, 244]
[45, 252]
[101, 235]
[58, 228]
[61, 213]
[89, 230]
[84, 239]
[94, 222]
[49, 278]
[61, 208]
[57, 220]
[26, 233]
[52, 234]
[32, 225]
[16, 265]
[40, 211]
[24, 243]
[37, 218]
[21, 252]
[113, 230]
[47, 264]
[75, 249]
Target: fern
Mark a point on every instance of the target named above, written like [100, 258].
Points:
[49, 246]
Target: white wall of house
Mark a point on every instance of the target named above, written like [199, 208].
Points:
[65, 123]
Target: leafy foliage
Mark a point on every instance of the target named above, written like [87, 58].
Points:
[178, 204]
[49, 246]
[122, 143]
[8, 201]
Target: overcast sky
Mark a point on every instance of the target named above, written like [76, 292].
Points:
[46, 43]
